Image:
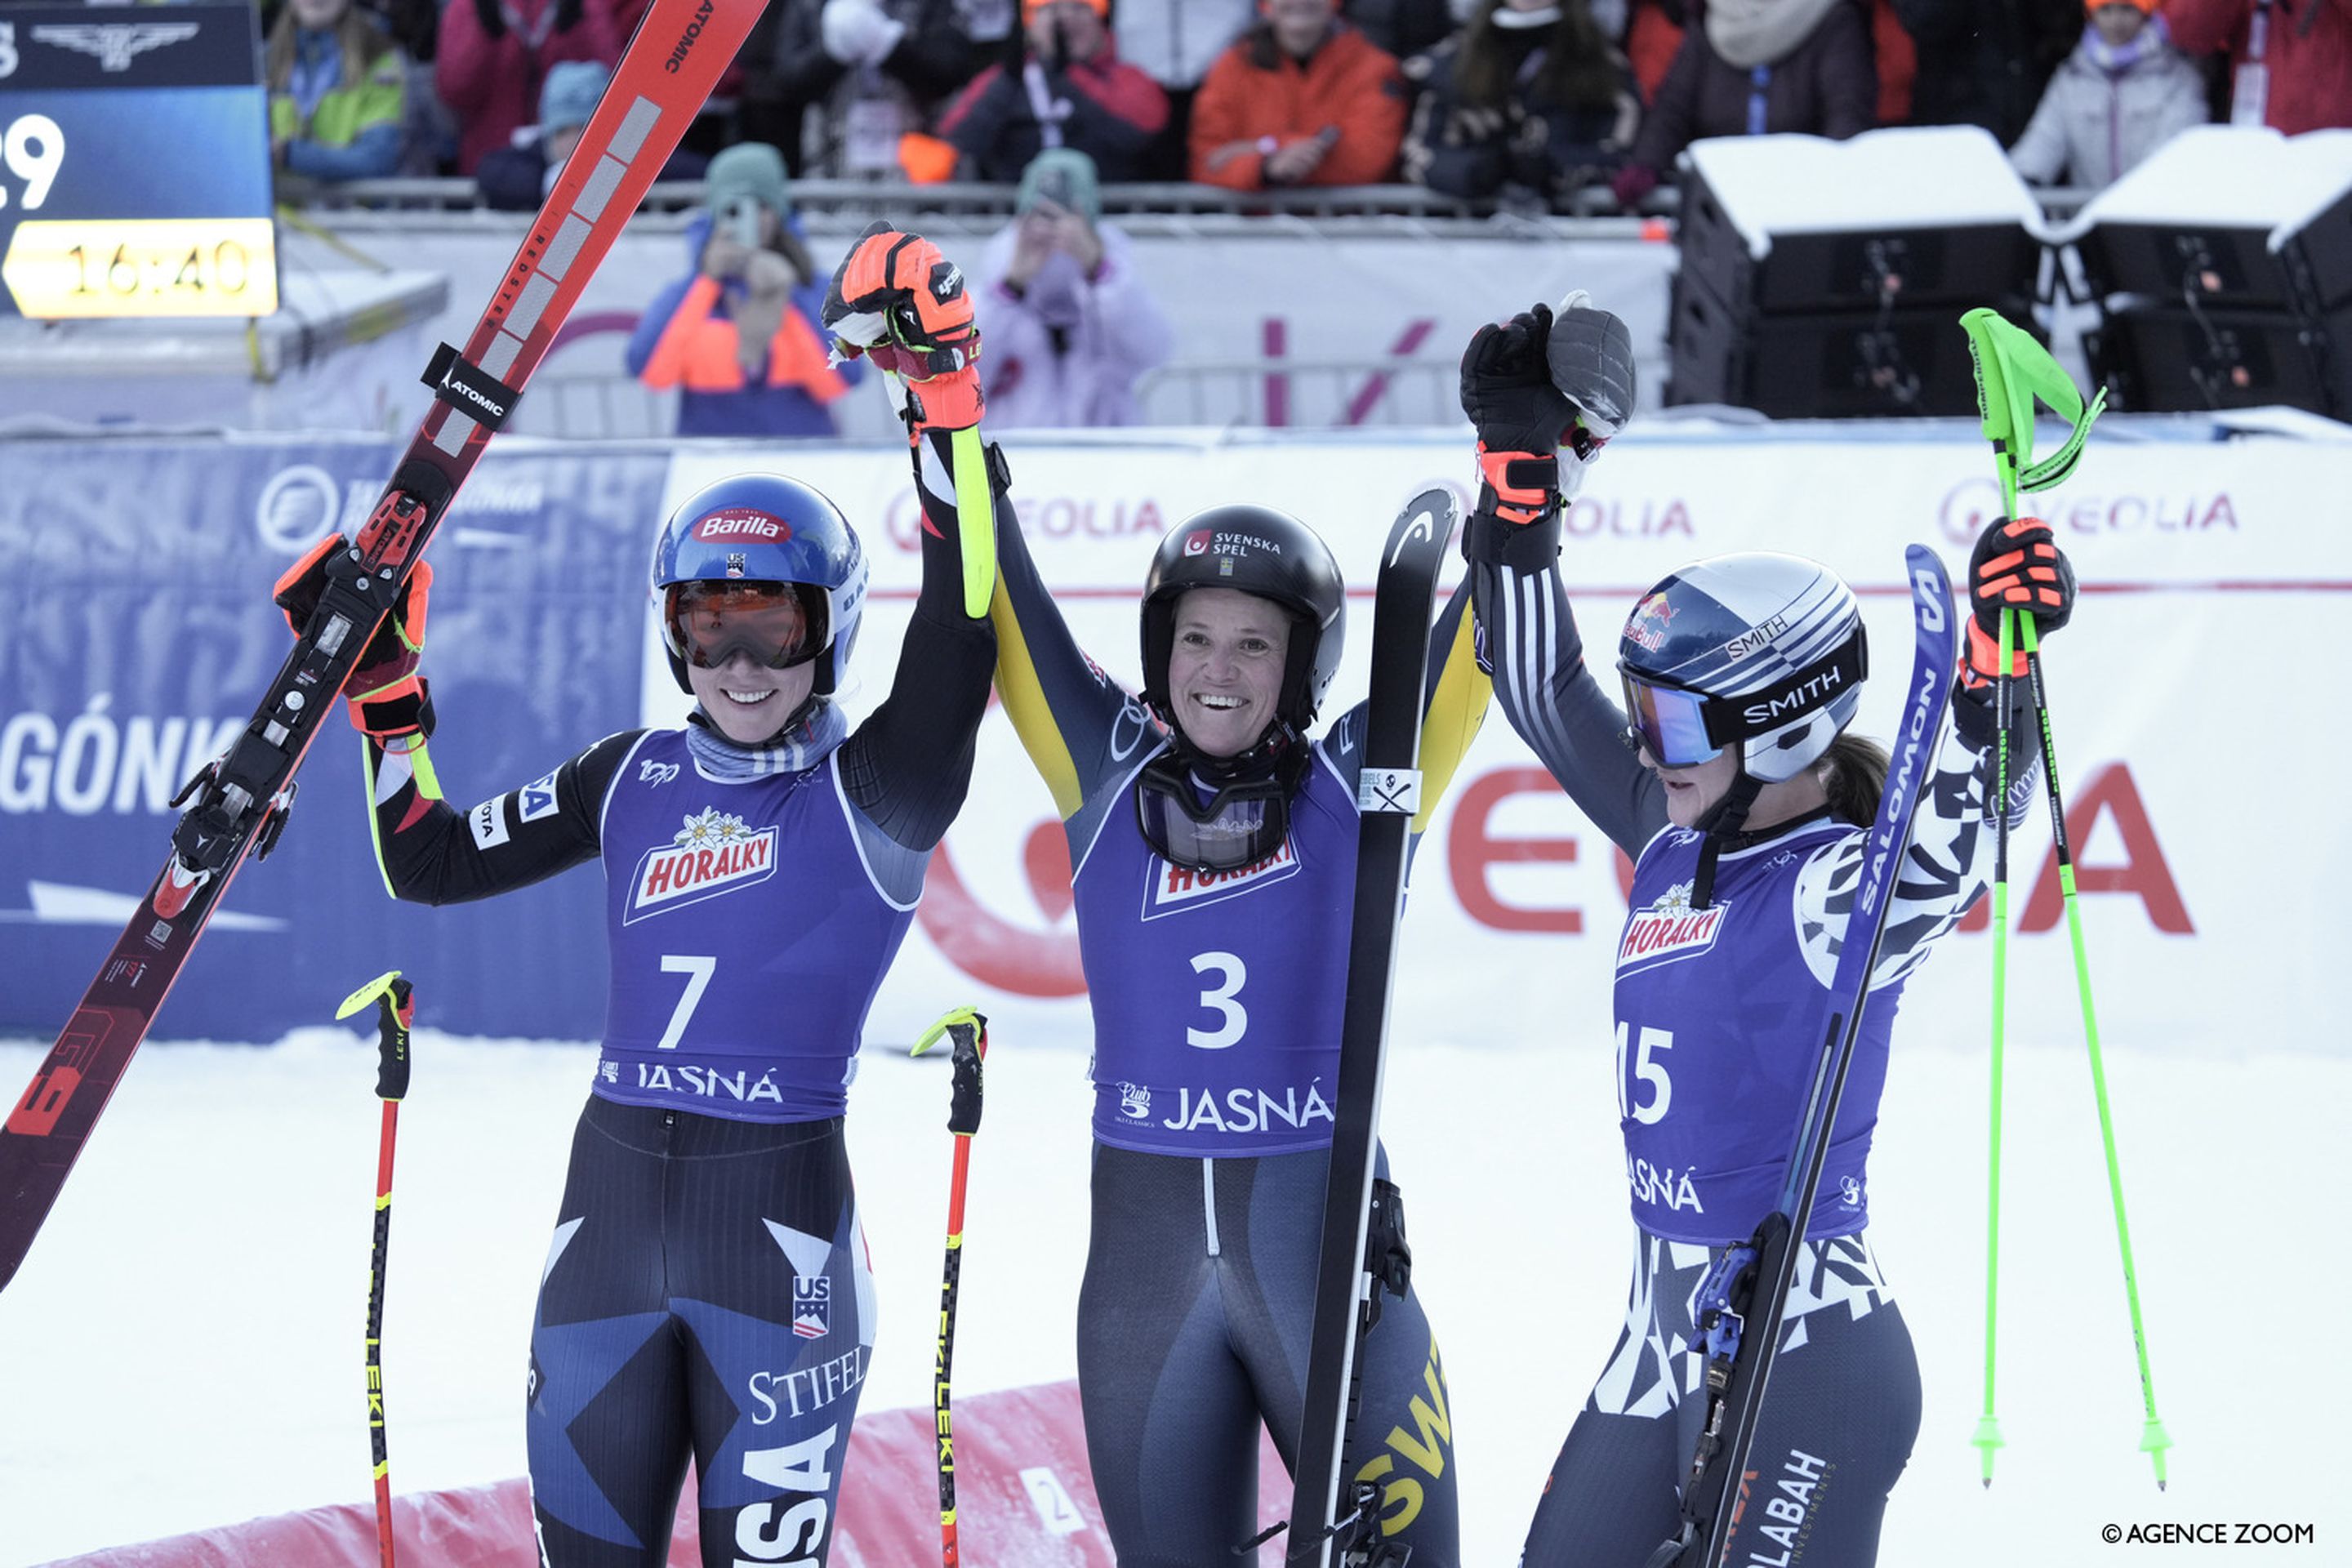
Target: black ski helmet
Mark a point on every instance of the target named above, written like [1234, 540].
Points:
[1258, 551]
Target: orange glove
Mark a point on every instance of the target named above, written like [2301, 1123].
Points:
[898, 301]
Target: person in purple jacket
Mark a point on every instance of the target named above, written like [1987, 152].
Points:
[707, 1293]
[1729, 779]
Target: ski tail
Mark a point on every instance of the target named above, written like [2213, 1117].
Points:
[1388, 796]
[1743, 1300]
[238, 803]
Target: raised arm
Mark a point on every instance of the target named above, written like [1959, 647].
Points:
[897, 300]
[1511, 390]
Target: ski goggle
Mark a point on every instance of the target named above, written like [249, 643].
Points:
[1667, 722]
[1238, 826]
[778, 625]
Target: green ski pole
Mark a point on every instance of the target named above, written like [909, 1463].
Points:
[2154, 1441]
[1987, 1435]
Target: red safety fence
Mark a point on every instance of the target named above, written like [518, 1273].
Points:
[1023, 1499]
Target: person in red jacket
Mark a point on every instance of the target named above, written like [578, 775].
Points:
[493, 54]
[2290, 60]
[1071, 90]
[1301, 99]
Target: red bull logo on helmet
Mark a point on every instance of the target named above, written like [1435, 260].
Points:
[742, 525]
[1649, 625]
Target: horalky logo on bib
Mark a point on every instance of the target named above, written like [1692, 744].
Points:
[714, 853]
[1168, 890]
[1668, 930]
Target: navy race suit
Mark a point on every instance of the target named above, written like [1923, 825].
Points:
[1217, 1004]
[1718, 1019]
[708, 1290]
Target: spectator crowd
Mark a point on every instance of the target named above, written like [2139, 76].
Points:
[1526, 102]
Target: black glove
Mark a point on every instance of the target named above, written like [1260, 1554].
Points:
[2016, 565]
[1506, 387]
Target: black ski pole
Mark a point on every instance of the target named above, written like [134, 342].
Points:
[395, 1002]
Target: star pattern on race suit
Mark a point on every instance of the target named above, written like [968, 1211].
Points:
[577, 1362]
[737, 1347]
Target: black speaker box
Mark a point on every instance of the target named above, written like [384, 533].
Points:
[2156, 357]
[2234, 267]
[1844, 364]
[1854, 269]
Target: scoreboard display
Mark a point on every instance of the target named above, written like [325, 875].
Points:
[134, 163]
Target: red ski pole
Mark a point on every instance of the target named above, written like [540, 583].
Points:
[395, 1002]
[968, 1034]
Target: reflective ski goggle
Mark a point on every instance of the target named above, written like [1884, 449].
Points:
[1240, 824]
[1668, 723]
[778, 625]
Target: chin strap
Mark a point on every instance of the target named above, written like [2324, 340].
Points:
[1721, 824]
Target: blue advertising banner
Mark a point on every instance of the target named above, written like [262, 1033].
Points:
[135, 634]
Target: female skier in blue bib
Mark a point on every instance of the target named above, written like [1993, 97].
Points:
[1215, 848]
[1729, 780]
[708, 1291]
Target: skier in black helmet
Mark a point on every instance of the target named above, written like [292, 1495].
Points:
[1214, 839]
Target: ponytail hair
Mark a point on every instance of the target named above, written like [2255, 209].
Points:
[1853, 775]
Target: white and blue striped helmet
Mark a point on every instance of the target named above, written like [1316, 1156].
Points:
[1758, 650]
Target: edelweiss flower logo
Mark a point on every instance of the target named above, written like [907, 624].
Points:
[710, 828]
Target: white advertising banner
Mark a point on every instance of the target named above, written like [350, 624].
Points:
[2185, 697]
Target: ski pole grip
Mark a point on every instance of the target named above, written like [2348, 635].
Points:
[395, 1009]
[970, 1042]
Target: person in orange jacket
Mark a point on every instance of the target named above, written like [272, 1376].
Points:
[739, 335]
[1301, 99]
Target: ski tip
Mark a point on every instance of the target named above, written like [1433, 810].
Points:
[2154, 1442]
[368, 992]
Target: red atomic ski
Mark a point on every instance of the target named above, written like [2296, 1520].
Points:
[240, 800]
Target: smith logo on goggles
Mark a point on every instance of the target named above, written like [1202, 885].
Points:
[1682, 728]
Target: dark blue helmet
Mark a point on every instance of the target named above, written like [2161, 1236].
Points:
[765, 528]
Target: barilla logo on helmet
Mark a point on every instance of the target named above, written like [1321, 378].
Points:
[1648, 625]
[714, 853]
[743, 522]
[1668, 930]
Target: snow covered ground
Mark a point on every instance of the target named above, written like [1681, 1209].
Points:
[183, 1347]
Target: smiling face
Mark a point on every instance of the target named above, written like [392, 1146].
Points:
[1225, 668]
[747, 701]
